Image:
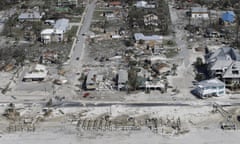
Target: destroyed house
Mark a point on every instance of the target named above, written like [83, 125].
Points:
[93, 80]
[140, 36]
[37, 73]
[122, 79]
[210, 33]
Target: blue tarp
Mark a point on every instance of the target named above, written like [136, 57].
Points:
[228, 16]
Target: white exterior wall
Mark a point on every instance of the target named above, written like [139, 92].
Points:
[151, 20]
[200, 15]
[209, 91]
[38, 72]
[53, 37]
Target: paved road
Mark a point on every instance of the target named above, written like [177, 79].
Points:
[180, 35]
[75, 62]
[70, 104]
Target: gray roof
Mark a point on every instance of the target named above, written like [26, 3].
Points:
[140, 36]
[90, 77]
[221, 64]
[211, 83]
[30, 15]
[199, 10]
[122, 76]
[233, 71]
[62, 24]
[224, 53]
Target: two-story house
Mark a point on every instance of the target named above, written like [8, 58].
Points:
[151, 19]
[208, 88]
[224, 64]
[199, 12]
[55, 34]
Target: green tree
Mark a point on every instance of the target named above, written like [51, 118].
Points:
[199, 77]
[173, 69]
[8, 26]
[141, 41]
[199, 62]
[133, 82]
[128, 43]
[37, 27]
[19, 55]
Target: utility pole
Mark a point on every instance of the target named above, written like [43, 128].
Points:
[209, 13]
[189, 16]
[237, 26]
[237, 31]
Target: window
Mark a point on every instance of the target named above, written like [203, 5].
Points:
[235, 72]
[221, 87]
[221, 92]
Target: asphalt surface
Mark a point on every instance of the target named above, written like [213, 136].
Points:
[75, 62]
[178, 25]
[142, 104]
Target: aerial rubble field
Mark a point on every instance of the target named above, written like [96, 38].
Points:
[121, 124]
[5, 77]
[107, 51]
[58, 110]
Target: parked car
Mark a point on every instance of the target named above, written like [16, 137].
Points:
[86, 95]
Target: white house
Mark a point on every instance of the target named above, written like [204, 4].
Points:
[154, 85]
[62, 24]
[199, 12]
[49, 35]
[55, 34]
[37, 73]
[141, 4]
[30, 16]
[144, 4]
[150, 19]
[110, 16]
[212, 87]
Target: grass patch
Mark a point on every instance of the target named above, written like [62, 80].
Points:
[170, 43]
[71, 33]
[97, 15]
[170, 53]
[75, 19]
